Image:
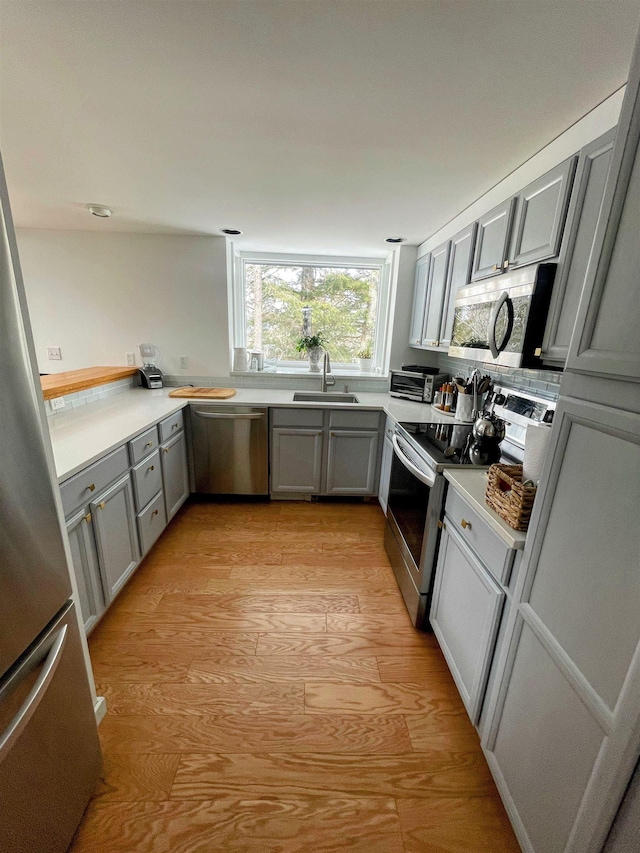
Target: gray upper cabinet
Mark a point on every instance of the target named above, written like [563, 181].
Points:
[175, 473]
[607, 341]
[582, 219]
[352, 462]
[419, 300]
[565, 725]
[114, 522]
[85, 567]
[458, 275]
[492, 241]
[541, 211]
[296, 460]
[436, 282]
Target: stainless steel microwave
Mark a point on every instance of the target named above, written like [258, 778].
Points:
[415, 384]
[501, 320]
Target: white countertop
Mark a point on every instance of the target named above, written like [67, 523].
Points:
[82, 435]
[471, 485]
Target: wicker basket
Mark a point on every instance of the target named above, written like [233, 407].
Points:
[508, 497]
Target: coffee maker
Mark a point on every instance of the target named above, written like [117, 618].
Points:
[150, 375]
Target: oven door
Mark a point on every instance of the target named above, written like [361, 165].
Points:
[409, 490]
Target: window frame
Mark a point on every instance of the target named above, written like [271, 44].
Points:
[382, 331]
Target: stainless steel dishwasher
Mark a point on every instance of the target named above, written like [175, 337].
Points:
[230, 449]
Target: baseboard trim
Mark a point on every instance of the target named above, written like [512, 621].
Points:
[100, 709]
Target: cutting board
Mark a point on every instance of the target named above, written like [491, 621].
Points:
[207, 393]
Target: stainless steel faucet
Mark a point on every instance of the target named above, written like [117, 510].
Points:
[327, 378]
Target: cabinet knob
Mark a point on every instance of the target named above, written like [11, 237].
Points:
[174, 426]
[505, 265]
[90, 488]
[102, 504]
[496, 267]
[87, 517]
[149, 444]
[151, 468]
[166, 450]
[465, 524]
[155, 512]
[440, 525]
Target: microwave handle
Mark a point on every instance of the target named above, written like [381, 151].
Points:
[503, 299]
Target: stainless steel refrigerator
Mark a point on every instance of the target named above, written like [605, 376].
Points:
[49, 749]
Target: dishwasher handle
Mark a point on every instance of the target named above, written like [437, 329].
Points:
[252, 416]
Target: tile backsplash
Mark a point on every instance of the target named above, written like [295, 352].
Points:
[301, 382]
[90, 395]
[544, 382]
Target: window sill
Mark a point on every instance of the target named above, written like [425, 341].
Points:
[304, 372]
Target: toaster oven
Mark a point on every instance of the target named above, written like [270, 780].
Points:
[415, 382]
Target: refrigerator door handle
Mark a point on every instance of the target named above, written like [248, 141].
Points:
[36, 694]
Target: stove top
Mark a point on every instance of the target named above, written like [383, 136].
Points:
[443, 444]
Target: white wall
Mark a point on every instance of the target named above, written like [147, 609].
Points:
[594, 124]
[99, 296]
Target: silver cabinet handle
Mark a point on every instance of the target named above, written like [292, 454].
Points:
[35, 696]
[230, 415]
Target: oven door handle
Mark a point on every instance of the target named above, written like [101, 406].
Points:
[503, 299]
[408, 464]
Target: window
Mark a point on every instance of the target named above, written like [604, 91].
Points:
[279, 298]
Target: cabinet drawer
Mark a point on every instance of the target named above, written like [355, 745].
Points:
[494, 553]
[297, 417]
[354, 420]
[143, 444]
[171, 426]
[147, 479]
[151, 522]
[80, 489]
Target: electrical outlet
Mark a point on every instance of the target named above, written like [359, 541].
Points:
[184, 362]
[54, 353]
[131, 359]
[57, 403]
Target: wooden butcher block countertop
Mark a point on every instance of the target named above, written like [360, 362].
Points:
[59, 384]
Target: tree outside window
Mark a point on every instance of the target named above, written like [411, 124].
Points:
[343, 302]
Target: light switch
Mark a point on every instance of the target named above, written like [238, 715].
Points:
[184, 362]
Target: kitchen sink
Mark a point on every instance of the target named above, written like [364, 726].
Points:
[323, 397]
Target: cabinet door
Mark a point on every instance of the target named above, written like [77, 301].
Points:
[114, 522]
[458, 275]
[351, 462]
[435, 295]
[85, 567]
[296, 460]
[541, 211]
[606, 341]
[465, 615]
[419, 300]
[175, 473]
[385, 474]
[565, 722]
[586, 201]
[492, 241]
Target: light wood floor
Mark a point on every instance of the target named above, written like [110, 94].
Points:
[267, 692]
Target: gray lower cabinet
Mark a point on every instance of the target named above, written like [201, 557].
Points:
[540, 215]
[85, 566]
[563, 733]
[352, 462]
[175, 473]
[492, 240]
[419, 301]
[465, 616]
[151, 522]
[436, 281]
[586, 201]
[296, 460]
[114, 521]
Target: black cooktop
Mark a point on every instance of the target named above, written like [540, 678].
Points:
[443, 443]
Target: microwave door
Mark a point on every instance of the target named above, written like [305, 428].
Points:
[504, 301]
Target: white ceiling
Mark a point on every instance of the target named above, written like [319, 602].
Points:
[311, 125]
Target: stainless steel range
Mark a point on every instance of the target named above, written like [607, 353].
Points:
[417, 490]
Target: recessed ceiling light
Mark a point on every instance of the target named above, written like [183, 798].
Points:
[232, 232]
[395, 240]
[99, 210]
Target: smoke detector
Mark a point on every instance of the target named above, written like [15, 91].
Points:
[99, 210]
